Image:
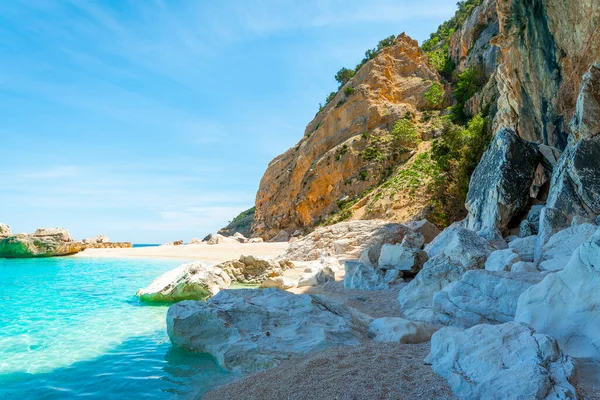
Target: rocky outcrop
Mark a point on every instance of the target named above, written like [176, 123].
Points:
[557, 252]
[502, 260]
[251, 330]
[482, 297]
[242, 224]
[197, 281]
[451, 254]
[499, 187]
[347, 240]
[109, 245]
[566, 304]
[400, 330]
[502, 362]
[5, 231]
[96, 239]
[45, 242]
[303, 186]
[362, 276]
[188, 281]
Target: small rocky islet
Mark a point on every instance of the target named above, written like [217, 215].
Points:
[503, 303]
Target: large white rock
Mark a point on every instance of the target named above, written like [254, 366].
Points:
[279, 282]
[249, 330]
[482, 297]
[363, 277]
[254, 270]
[524, 266]
[452, 253]
[502, 260]
[402, 258]
[318, 277]
[347, 240]
[524, 247]
[566, 304]
[400, 330]
[498, 362]
[188, 281]
[557, 252]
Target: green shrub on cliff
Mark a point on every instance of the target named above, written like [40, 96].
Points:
[344, 75]
[435, 95]
[469, 82]
[405, 134]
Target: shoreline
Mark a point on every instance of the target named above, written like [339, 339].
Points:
[204, 252]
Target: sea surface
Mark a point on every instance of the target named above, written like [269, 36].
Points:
[73, 328]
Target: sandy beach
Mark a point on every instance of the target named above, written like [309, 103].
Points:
[210, 253]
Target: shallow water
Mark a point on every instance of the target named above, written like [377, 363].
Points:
[72, 327]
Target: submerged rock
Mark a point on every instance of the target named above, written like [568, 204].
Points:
[249, 330]
[505, 361]
[188, 281]
[566, 304]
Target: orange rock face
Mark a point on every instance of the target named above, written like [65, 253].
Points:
[304, 185]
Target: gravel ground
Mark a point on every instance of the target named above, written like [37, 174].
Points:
[371, 371]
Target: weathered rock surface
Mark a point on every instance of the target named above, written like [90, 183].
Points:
[60, 234]
[250, 330]
[502, 260]
[586, 121]
[557, 252]
[363, 277]
[347, 240]
[425, 228]
[499, 186]
[400, 330]
[566, 304]
[524, 266]
[254, 270]
[452, 253]
[220, 239]
[482, 297]
[196, 241]
[188, 281]
[279, 282]
[552, 220]
[302, 186]
[109, 245]
[29, 246]
[505, 361]
[282, 236]
[318, 277]
[524, 247]
[402, 257]
[96, 240]
[529, 226]
[5, 230]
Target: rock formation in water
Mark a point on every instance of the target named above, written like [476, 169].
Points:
[45, 242]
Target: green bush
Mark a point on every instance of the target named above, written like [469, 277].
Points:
[469, 82]
[330, 97]
[405, 134]
[435, 95]
[344, 75]
[372, 153]
[349, 91]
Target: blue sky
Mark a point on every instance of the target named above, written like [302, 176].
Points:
[151, 121]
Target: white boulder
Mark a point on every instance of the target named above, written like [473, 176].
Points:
[496, 362]
[400, 330]
[363, 277]
[524, 247]
[279, 282]
[566, 304]
[188, 281]
[250, 330]
[319, 277]
[524, 266]
[402, 257]
[502, 260]
[482, 297]
[452, 253]
[220, 239]
[561, 246]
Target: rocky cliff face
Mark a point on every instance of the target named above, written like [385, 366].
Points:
[537, 52]
[305, 184]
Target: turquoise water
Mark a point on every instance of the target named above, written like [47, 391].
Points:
[73, 328]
